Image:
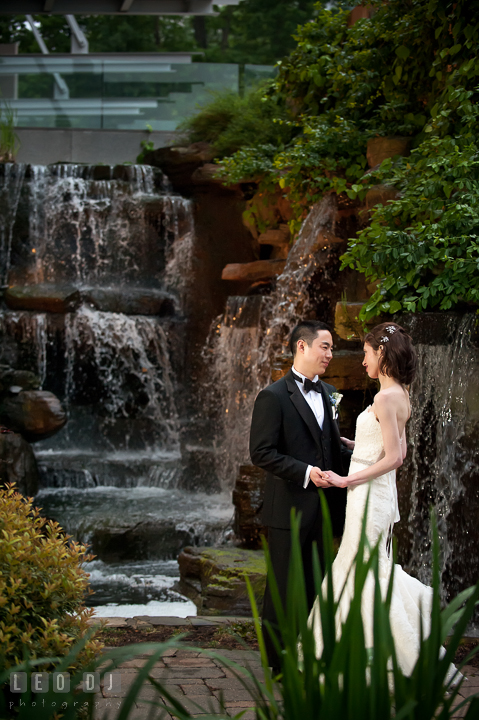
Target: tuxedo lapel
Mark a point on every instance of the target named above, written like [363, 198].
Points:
[297, 398]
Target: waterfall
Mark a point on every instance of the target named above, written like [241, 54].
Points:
[86, 230]
[244, 341]
[233, 354]
[108, 235]
[441, 468]
[11, 181]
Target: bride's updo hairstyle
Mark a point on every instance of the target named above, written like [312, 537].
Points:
[398, 357]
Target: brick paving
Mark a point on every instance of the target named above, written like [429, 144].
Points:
[203, 685]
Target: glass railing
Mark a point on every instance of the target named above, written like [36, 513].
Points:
[117, 92]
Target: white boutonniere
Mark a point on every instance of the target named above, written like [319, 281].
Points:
[335, 399]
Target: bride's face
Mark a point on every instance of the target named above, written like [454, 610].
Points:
[371, 361]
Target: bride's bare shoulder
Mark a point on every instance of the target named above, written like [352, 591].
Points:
[392, 398]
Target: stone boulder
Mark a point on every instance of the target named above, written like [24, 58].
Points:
[256, 270]
[214, 578]
[270, 209]
[380, 195]
[276, 236]
[23, 379]
[18, 464]
[248, 497]
[380, 148]
[208, 173]
[131, 301]
[179, 163]
[36, 414]
[43, 298]
[360, 12]
[346, 320]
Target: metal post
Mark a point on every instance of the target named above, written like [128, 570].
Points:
[79, 43]
[60, 90]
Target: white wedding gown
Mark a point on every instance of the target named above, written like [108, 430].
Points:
[410, 598]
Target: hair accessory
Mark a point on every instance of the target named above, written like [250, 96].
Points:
[391, 329]
[384, 339]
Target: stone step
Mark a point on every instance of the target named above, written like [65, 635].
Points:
[66, 298]
[256, 270]
[275, 236]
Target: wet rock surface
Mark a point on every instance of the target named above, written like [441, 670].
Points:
[380, 148]
[131, 301]
[43, 298]
[214, 578]
[36, 414]
[23, 379]
[257, 270]
[248, 496]
[179, 163]
[17, 463]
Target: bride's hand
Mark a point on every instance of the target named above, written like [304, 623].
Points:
[336, 479]
[349, 443]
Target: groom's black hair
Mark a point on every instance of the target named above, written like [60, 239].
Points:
[306, 330]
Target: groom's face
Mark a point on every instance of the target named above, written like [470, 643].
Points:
[314, 358]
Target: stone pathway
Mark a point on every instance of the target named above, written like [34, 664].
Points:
[202, 684]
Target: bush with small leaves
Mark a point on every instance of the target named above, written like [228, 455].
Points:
[42, 586]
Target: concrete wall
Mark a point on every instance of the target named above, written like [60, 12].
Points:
[42, 146]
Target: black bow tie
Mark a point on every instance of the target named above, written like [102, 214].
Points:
[308, 384]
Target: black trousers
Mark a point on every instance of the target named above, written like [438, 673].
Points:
[279, 544]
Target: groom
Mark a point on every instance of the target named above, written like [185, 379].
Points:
[294, 437]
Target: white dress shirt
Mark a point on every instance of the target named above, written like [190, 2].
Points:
[315, 402]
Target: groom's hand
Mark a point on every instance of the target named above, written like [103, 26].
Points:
[318, 478]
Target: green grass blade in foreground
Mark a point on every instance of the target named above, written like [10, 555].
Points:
[259, 632]
[300, 695]
[429, 684]
[473, 712]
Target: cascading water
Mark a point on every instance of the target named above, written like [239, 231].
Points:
[442, 469]
[253, 330]
[11, 181]
[113, 244]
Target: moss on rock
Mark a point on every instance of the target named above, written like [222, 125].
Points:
[215, 579]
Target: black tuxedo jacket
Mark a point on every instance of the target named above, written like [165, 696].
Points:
[286, 438]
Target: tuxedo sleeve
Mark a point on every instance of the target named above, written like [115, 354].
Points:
[266, 426]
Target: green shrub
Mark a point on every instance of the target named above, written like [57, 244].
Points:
[409, 70]
[348, 681]
[42, 585]
[230, 122]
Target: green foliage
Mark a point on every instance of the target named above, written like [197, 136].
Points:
[230, 122]
[424, 246]
[347, 681]
[42, 585]
[9, 142]
[254, 31]
[409, 70]
[358, 683]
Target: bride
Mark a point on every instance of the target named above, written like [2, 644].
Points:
[379, 448]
